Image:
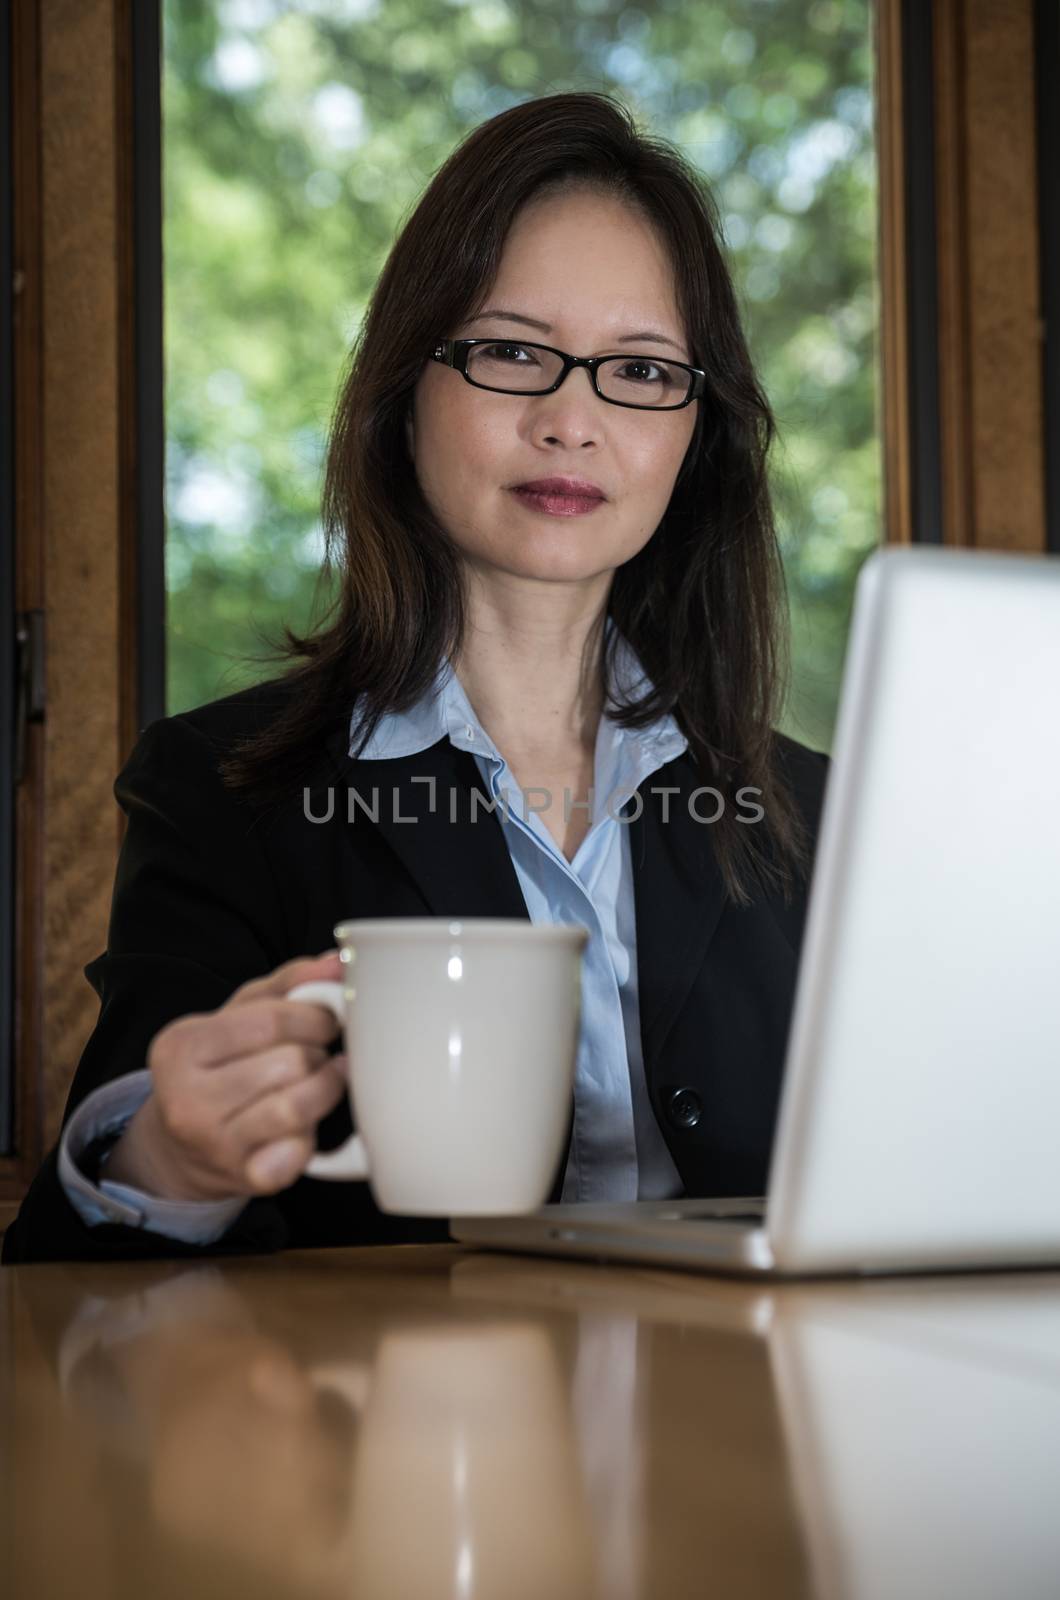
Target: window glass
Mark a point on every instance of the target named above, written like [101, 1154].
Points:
[297, 138]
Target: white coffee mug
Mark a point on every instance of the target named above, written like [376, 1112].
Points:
[461, 1042]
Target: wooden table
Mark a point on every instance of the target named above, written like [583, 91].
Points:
[430, 1421]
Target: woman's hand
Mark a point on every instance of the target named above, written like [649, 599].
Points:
[236, 1093]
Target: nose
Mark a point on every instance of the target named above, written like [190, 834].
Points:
[572, 412]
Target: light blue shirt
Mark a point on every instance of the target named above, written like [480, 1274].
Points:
[617, 1150]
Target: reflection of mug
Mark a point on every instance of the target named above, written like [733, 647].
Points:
[466, 1480]
[461, 1039]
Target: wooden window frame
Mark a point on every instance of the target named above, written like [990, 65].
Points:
[963, 272]
[88, 526]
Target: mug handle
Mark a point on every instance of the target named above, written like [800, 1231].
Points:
[350, 1160]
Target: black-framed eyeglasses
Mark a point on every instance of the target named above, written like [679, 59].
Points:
[644, 383]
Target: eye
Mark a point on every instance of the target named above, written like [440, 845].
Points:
[503, 353]
[629, 369]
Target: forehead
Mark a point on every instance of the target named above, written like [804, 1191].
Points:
[587, 262]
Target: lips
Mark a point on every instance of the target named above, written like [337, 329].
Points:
[565, 488]
[548, 503]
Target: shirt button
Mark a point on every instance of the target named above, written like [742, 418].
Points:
[684, 1108]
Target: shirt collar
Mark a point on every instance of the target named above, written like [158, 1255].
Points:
[444, 711]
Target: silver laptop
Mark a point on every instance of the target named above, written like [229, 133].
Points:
[919, 1122]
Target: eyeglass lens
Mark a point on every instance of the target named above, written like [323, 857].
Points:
[530, 369]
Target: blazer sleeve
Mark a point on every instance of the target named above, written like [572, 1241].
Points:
[195, 912]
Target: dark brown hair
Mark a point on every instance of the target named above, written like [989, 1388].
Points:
[702, 604]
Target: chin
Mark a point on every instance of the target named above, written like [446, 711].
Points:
[548, 560]
[560, 567]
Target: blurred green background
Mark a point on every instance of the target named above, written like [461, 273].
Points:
[297, 138]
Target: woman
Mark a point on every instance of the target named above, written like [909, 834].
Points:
[546, 479]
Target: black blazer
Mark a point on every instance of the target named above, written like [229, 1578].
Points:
[210, 892]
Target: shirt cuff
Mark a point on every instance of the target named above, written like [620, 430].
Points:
[105, 1112]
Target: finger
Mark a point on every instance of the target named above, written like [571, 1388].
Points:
[217, 1037]
[221, 1149]
[293, 1111]
[224, 1094]
[303, 969]
[289, 1116]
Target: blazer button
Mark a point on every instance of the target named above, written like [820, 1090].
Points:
[685, 1108]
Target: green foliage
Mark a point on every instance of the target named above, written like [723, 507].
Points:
[299, 136]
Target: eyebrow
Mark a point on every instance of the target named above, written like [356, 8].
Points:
[546, 327]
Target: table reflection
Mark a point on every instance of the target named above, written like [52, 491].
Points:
[920, 1418]
[434, 1423]
[240, 1453]
[467, 1479]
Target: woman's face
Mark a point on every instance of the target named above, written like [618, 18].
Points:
[589, 272]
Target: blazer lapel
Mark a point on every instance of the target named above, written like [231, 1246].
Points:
[678, 895]
[459, 861]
